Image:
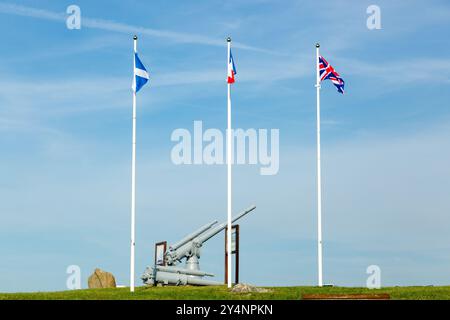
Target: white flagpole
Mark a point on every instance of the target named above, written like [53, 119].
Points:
[319, 178]
[229, 175]
[133, 176]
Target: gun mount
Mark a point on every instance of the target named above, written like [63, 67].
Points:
[188, 248]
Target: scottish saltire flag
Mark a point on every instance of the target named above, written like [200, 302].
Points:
[231, 69]
[140, 74]
[327, 72]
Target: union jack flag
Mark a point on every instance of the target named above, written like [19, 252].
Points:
[327, 72]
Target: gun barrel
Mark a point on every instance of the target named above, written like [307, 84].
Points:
[192, 235]
[243, 213]
[211, 233]
[170, 278]
[184, 271]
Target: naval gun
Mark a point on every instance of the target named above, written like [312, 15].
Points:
[189, 249]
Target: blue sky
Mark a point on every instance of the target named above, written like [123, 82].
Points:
[65, 137]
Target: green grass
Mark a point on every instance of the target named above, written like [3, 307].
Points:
[222, 293]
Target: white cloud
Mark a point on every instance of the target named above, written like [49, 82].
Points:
[403, 72]
[107, 25]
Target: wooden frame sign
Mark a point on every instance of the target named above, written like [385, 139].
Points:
[160, 249]
[234, 250]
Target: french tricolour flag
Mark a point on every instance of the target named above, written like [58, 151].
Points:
[231, 69]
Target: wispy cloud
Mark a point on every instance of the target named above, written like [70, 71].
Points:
[403, 71]
[113, 26]
[61, 50]
[23, 98]
[13, 125]
[25, 93]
